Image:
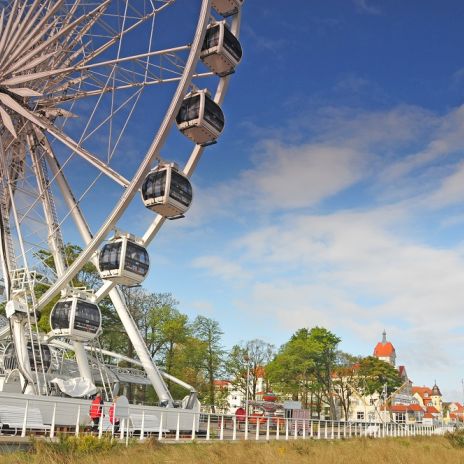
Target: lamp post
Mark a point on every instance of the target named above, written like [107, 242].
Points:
[247, 360]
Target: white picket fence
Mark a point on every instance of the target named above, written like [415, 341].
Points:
[23, 415]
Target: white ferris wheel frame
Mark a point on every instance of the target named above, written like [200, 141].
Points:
[94, 241]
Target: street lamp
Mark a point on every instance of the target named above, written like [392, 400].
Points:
[247, 360]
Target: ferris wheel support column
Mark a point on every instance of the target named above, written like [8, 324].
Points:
[134, 335]
[54, 237]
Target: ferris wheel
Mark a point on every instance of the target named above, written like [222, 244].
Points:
[90, 93]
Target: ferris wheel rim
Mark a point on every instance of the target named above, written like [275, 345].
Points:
[132, 188]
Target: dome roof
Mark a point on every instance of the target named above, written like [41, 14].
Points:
[384, 350]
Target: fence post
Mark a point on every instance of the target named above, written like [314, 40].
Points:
[52, 427]
[268, 425]
[278, 430]
[286, 428]
[246, 427]
[234, 427]
[78, 419]
[332, 430]
[142, 426]
[100, 423]
[160, 430]
[319, 430]
[121, 431]
[193, 427]
[304, 428]
[208, 427]
[338, 430]
[178, 427]
[221, 434]
[127, 431]
[114, 420]
[325, 430]
[295, 430]
[26, 410]
[257, 428]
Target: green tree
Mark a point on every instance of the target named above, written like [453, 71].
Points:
[304, 367]
[253, 355]
[378, 377]
[346, 380]
[209, 333]
[291, 371]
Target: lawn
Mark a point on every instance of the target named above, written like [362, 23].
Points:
[416, 450]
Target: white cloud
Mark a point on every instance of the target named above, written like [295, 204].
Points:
[222, 268]
[360, 270]
[365, 7]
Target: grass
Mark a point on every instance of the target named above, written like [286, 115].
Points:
[418, 450]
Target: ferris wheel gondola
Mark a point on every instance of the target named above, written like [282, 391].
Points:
[167, 191]
[227, 7]
[124, 261]
[221, 51]
[200, 118]
[76, 317]
[42, 360]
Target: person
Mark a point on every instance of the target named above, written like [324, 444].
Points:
[114, 421]
[96, 411]
[240, 414]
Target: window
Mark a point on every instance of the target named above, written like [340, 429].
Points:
[360, 415]
[189, 110]
[213, 114]
[137, 259]
[232, 45]
[60, 315]
[211, 38]
[181, 190]
[110, 256]
[87, 317]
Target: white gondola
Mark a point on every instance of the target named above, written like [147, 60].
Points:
[227, 7]
[200, 118]
[76, 317]
[124, 261]
[43, 363]
[221, 51]
[167, 191]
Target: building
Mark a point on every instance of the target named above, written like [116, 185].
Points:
[385, 351]
[234, 398]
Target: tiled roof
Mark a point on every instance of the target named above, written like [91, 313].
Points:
[384, 350]
[432, 410]
[405, 407]
[421, 391]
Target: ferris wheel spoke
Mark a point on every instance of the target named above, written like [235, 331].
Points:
[65, 139]
[28, 35]
[54, 38]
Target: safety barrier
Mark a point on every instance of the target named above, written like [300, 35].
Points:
[49, 416]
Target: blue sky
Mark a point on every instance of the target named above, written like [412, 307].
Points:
[335, 196]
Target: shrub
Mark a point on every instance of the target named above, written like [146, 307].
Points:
[456, 438]
[71, 445]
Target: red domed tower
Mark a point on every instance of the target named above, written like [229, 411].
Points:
[385, 351]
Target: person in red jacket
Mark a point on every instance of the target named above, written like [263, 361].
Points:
[113, 420]
[96, 411]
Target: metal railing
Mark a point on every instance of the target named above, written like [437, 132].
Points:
[49, 417]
